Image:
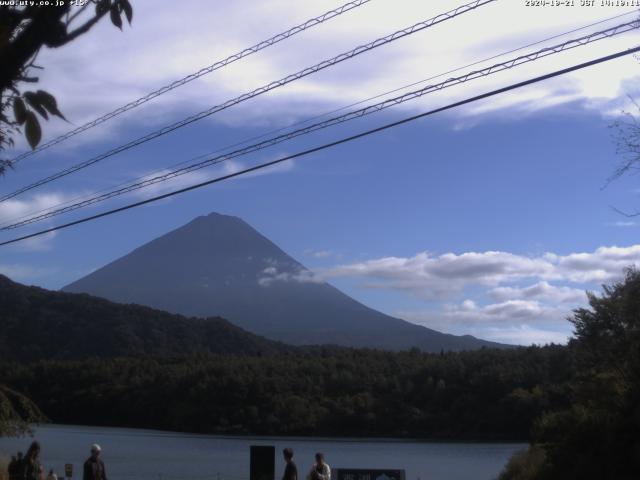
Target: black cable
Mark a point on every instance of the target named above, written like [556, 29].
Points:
[352, 115]
[193, 76]
[10, 223]
[331, 144]
[460, 10]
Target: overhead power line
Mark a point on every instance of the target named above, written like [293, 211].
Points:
[325, 146]
[315, 117]
[498, 67]
[266, 88]
[193, 76]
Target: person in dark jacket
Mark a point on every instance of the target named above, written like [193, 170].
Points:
[94, 466]
[290, 471]
[31, 466]
[18, 467]
[12, 468]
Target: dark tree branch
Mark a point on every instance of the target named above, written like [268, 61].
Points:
[78, 12]
[81, 30]
[23, 32]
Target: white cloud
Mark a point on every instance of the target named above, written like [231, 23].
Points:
[622, 223]
[430, 276]
[540, 291]
[516, 321]
[525, 335]
[603, 265]
[272, 274]
[108, 68]
[234, 166]
[195, 177]
[320, 253]
[507, 311]
[175, 183]
[438, 276]
[15, 208]
[41, 243]
[509, 297]
[25, 273]
[468, 313]
[18, 208]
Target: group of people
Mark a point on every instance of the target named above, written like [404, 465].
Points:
[28, 467]
[319, 471]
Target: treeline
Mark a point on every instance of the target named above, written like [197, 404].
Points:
[484, 394]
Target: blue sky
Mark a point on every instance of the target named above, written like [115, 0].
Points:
[489, 220]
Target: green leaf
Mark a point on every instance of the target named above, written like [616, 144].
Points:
[48, 101]
[34, 101]
[19, 110]
[128, 10]
[32, 129]
[115, 17]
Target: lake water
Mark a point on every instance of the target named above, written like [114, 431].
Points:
[154, 455]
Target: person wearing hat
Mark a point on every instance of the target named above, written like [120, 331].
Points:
[94, 466]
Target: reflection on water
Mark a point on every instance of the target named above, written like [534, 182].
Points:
[152, 455]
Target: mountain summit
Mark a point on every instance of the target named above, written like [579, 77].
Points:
[218, 265]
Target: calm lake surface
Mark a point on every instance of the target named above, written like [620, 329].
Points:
[154, 455]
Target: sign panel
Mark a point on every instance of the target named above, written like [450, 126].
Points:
[369, 474]
[262, 465]
[68, 470]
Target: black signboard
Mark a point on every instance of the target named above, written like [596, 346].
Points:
[262, 466]
[368, 474]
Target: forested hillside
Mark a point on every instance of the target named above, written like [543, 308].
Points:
[40, 324]
[86, 360]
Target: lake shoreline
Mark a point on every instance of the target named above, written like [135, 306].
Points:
[136, 454]
[302, 438]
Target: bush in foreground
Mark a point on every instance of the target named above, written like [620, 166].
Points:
[598, 436]
[526, 464]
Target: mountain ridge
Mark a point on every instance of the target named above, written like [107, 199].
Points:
[218, 265]
[38, 324]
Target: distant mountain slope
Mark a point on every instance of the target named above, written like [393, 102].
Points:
[217, 265]
[40, 324]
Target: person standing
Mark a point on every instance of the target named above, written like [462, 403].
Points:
[31, 466]
[290, 470]
[94, 466]
[52, 475]
[18, 468]
[320, 470]
[12, 468]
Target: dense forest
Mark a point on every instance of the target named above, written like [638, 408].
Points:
[486, 394]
